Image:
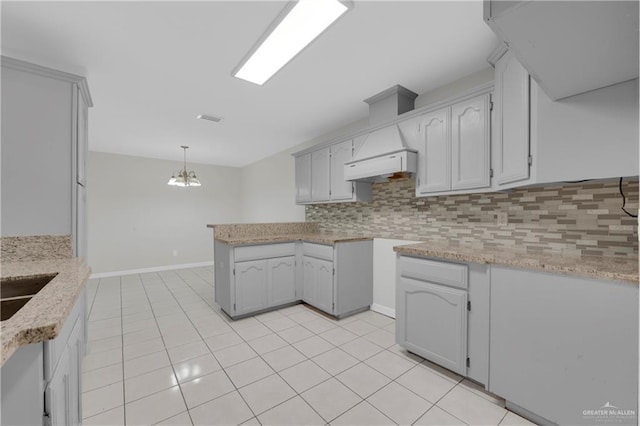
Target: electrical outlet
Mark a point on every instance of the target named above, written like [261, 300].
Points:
[175, 252]
[502, 218]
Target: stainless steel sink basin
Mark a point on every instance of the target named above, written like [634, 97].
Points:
[9, 307]
[16, 292]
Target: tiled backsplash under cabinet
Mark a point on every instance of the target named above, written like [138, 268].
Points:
[570, 218]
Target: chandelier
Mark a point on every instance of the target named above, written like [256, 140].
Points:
[183, 177]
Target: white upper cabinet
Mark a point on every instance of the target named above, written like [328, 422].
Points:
[570, 47]
[433, 133]
[320, 179]
[511, 122]
[340, 154]
[470, 144]
[320, 176]
[303, 178]
[537, 140]
[455, 146]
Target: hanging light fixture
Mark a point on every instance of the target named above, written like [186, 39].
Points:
[183, 177]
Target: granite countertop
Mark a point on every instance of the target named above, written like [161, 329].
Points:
[318, 238]
[43, 316]
[607, 268]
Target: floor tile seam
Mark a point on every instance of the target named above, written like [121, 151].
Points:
[170, 363]
[102, 412]
[277, 372]
[321, 416]
[186, 411]
[223, 369]
[419, 396]
[442, 408]
[384, 374]
[505, 415]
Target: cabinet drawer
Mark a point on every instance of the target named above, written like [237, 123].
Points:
[452, 274]
[318, 251]
[264, 251]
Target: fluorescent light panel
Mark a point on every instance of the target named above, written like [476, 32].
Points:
[304, 22]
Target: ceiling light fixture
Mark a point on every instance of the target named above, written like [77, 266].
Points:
[183, 177]
[297, 26]
[209, 117]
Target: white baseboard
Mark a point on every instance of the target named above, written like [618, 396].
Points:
[154, 269]
[383, 310]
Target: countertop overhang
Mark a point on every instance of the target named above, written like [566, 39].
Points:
[44, 315]
[598, 267]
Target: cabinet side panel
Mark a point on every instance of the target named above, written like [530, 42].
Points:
[36, 149]
[222, 279]
[22, 402]
[478, 332]
[354, 276]
[562, 345]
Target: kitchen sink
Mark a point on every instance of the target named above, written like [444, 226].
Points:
[9, 307]
[28, 286]
[16, 292]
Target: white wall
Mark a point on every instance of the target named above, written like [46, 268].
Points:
[135, 220]
[384, 275]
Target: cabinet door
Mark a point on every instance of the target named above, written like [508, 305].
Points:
[340, 154]
[324, 286]
[303, 178]
[251, 286]
[431, 321]
[435, 169]
[470, 144]
[75, 349]
[511, 132]
[320, 181]
[309, 280]
[58, 393]
[282, 280]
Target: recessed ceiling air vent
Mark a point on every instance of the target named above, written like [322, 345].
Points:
[209, 117]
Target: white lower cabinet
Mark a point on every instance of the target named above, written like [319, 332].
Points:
[260, 284]
[318, 283]
[563, 347]
[281, 280]
[52, 368]
[435, 317]
[251, 286]
[57, 399]
[337, 279]
[432, 322]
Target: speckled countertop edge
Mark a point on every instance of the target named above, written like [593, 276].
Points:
[328, 239]
[608, 268]
[43, 316]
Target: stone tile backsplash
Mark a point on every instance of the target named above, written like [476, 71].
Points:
[583, 218]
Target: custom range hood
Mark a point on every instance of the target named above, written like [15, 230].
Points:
[384, 154]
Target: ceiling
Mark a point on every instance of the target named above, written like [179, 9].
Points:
[153, 66]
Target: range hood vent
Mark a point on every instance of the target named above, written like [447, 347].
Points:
[383, 153]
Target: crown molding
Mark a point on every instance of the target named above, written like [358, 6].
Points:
[497, 53]
[20, 65]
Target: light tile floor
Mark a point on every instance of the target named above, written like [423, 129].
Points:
[160, 351]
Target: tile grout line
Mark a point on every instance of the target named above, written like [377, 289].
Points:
[222, 368]
[166, 351]
[183, 284]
